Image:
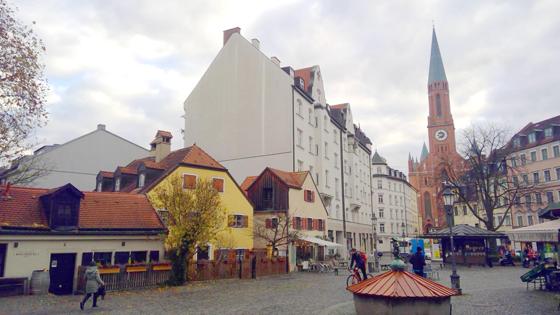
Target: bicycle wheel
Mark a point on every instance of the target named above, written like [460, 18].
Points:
[351, 280]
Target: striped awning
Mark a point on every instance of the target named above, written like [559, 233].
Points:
[543, 232]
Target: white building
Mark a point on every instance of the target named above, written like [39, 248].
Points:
[77, 161]
[394, 203]
[249, 113]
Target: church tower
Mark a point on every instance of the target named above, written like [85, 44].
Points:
[441, 130]
[426, 175]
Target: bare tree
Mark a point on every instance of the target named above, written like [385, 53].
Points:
[275, 231]
[23, 87]
[24, 170]
[489, 174]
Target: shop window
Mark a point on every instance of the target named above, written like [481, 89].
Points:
[3, 251]
[154, 256]
[121, 258]
[87, 258]
[138, 257]
[103, 258]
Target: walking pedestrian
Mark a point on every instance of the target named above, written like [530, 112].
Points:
[418, 262]
[93, 282]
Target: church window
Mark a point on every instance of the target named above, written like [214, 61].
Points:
[427, 205]
[438, 105]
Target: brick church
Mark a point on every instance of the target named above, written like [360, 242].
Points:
[428, 173]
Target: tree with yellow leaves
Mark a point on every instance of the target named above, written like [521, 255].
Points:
[194, 218]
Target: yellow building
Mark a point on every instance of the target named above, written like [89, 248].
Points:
[191, 164]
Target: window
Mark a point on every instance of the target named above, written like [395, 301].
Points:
[507, 220]
[379, 184]
[336, 160]
[536, 177]
[558, 173]
[138, 257]
[513, 162]
[218, 184]
[538, 198]
[309, 224]
[154, 256]
[532, 137]
[274, 223]
[189, 181]
[309, 196]
[438, 105]
[299, 165]
[528, 200]
[202, 253]
[336, 188]
[117, 183]
[311, 145]
[327, 178]
[556, 150]
[516, 142]
[326, 150]
[325, 122]
[64, 216]
[544, 154]
[141, 180]
[121, 258]
[547, 176]
[299, 137]
[456, 210]
[380, 198]
[382, 227]
[533, 156]
[390, 213]
[548, 132]
[464, 210]
[335, 136]
[298, 223]
[103, 258]
[310, 116]
[238, 221]
[529, 220]
[549, 197]
[523, 159]
[299, 108]
[519, 220]
[381, 213]
[267, 198]
[515, 180]
[525, 179]
[320, 225]
[86, 258]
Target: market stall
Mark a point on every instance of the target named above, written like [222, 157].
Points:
[470, 243]
[544, 235]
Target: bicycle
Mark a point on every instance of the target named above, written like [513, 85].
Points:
[355, 277]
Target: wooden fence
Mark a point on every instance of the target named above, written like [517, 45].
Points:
[225, 267]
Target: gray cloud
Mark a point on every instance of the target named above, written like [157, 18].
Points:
[130, 64]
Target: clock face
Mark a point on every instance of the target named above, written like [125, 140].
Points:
[441, 135]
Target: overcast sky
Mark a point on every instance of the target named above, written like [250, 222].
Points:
[131, 64]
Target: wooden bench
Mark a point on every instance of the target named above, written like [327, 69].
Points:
[13, 286]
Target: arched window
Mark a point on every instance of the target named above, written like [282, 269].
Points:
[438, 105]
[427, 205]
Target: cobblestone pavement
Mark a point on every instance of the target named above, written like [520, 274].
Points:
[486, 291]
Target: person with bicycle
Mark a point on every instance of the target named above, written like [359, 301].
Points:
[358, 258]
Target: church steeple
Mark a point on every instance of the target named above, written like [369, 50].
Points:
[437, 71]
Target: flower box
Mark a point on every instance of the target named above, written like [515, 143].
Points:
[139, 268]
[109, 270]
[161, 267]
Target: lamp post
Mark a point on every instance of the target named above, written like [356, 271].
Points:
[374, 232]
[448, 200]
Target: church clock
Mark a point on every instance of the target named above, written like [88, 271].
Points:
[441, 135]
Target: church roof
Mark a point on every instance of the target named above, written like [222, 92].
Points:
[377, 159]
[424, 153]
[437, 72]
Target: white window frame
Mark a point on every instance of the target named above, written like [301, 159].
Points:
[183, 179]
[223, 186]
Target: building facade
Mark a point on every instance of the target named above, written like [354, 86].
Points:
[191, 164]
[250, 113]
[394, 204]
[427, 174]
[536, 157]
[76, 161]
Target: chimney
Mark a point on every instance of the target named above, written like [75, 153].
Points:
[100, 127]
[231, 31]
[256, 43]
[275, 60]
[160, 147]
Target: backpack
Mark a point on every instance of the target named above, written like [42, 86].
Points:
[364, 256]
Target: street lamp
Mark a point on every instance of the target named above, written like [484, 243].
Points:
[448, 200]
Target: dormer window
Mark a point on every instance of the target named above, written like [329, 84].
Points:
[100, 185]
[62, 207]
[516, 142]
[141, 180]
[117, 184]
[532, 137]
[548, 132]
[63, 216]
[165, 139]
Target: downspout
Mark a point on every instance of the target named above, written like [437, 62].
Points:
[343, 192]
[293, 134]
[371, 201]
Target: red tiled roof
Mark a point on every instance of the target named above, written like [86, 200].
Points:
[305, 74]
[247, 182]
[401, 284]
[127, 170]
[106, 174]
[292, 179]
[98, 210]
[339, 106]
[153, 165]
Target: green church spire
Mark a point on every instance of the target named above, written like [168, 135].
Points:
[437, 72]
